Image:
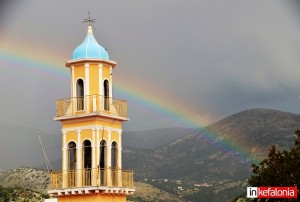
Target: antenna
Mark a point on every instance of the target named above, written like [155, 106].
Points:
[89, 20]
[48, 165]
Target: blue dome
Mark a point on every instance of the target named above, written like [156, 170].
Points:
[90, 48]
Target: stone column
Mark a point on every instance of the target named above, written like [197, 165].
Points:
[97, 153]
[110, 82]
[94, 167]
[120, 151]
[87, 88]
[109, 183]
[101, 89]
[120, 160]
[79, 160]
[73, 89]
[64, 161]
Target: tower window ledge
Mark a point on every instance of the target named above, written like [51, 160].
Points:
[91, 190]
[91, 105]
[89, 115]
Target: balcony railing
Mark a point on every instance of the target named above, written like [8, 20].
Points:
[91, 177]
[91, 104]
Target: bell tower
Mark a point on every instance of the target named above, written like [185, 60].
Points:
[91, 131]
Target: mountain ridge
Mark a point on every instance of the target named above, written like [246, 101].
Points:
[201, 157]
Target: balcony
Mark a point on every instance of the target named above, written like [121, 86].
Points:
[91, 178]
[91, 105]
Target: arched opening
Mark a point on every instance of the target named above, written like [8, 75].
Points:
[114, 163]
[71, 156]
[114, 155]
[80, 94]
[87, 154]
[106, 95]
[102, 162]
[87, 163]
[71, 164]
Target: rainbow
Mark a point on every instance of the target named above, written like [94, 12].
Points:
[183, 117]
[31, 65]
[160, 105]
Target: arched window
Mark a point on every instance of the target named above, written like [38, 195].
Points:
[71, 156]
[102, 160]
[114, 163]
[71, 164]
[106, 95]
[80, 94]
[87, 154]
[114, 155]
[87, 163]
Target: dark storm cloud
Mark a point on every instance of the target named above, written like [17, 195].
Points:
[218, 56]
[7, 10]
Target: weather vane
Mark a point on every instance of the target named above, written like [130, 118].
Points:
[89, 20]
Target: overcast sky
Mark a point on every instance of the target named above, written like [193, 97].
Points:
[177, 60]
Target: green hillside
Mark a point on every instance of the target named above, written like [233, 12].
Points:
[201, 165]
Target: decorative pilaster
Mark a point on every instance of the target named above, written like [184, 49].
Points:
[110, 82]
[119, 165]
[101, 88]
[94, 147]
[109, 148]
[64, 150]
[120, 151]
[79, 159]
[64, 160]
[98, 147]
[87, 87]
[109, 182]
[100, 79]
[73, 90]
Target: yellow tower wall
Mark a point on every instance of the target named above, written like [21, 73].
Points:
[79, 72]
[94, 130]
[94, 79]
[72, 136]
[115, 137]
[106, 73]
[94, 198]
[86, 135]
[92, 122]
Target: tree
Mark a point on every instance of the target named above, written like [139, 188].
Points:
[280, 168]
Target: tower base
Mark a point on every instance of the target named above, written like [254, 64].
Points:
[93, 198]
[92, 194]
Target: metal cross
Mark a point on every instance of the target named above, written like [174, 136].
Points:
[89, 20]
